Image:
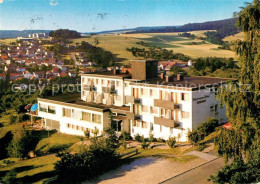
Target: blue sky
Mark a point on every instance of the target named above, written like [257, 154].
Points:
[99, 15]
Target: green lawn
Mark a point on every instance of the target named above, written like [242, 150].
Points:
[55, 142]
[33, 170]
[5, 117]
[174, 154]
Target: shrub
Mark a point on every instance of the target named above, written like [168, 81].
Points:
[144, 145]
[10, 178]
[12, 119]
[125, 136]
[87, 133]
[98, 158]
[111, 138]
[160, 139]
[151, 138]
[124, 144]
[139, 138]
[22, 143]
[171, 142]
[204, 129]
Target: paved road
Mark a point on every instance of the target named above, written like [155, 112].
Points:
[198, 175]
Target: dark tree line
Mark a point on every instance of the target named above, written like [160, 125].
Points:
[102, 57]
[157, 53]
[64, 34]
[214, 63]
[212, 25]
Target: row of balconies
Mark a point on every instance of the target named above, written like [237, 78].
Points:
[157, 120]
[100, 98]
[157, 103]
[109, 90]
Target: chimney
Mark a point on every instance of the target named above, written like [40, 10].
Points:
[162, 75]
[179, 77]
[169, 78]
[116, 71]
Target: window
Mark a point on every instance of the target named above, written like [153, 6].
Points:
[153, 93]
[68, 125]
[185, 96]
[145, 108]
[168, 114]
[151, 126]
[86, 116]
[96, 118]
[216, 108]
[164, 95]
[144, 92]
[171, 130]
[154, 110]
[145, 124]
[43, 107]
[66, 112]
[212, 108]
[76, 114]
[163, 113]
[51, 109]
[138, 123]
[77, 127]
[185, 115]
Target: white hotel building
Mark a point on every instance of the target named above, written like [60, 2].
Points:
[140, 103]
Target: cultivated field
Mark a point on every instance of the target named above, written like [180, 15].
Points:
[238, 36]
[7, 41]
[117, 44]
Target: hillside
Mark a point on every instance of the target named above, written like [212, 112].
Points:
[118, 44]
[209, 25]
[15, 33]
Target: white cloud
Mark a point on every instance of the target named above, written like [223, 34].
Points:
[1, 1]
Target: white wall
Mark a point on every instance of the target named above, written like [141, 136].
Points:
[75, 121]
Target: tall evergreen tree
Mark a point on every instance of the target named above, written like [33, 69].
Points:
[242, 101]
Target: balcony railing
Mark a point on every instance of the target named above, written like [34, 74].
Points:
[131, 115]
[89, 88]
[166, 104]
[132, 100]
[109, 90]
[165, 122]
[90, 97]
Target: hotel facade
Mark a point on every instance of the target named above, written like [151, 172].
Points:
[139, 102]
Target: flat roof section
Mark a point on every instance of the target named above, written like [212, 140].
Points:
[73, 100]
[190, 83]
[108, 75]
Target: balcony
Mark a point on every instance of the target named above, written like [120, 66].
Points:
[132, 100]
[90, 97]
[131, 115]
[110, 100]
[166, 104]
[165, 122]
[109, 90]
[89, 88]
